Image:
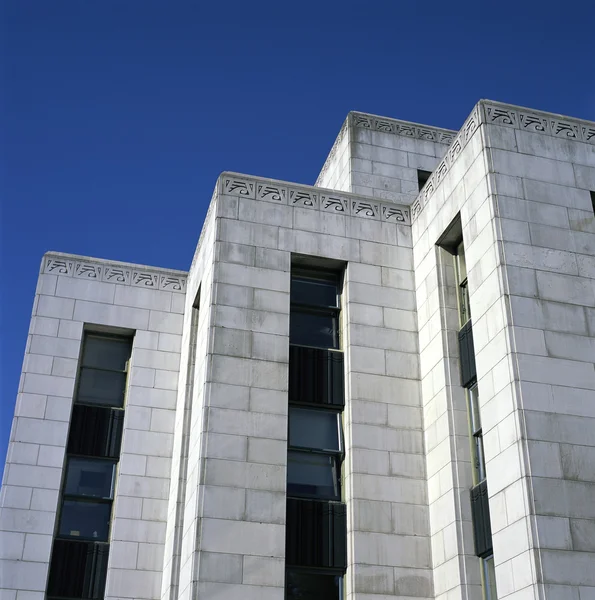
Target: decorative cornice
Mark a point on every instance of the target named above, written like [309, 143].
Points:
[537, 121]
[506, 115]
[82, 267]
[470, 126]
[404, 128]
[333, 152]
[315, 198]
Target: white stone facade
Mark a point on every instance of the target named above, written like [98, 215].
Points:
[199, 508]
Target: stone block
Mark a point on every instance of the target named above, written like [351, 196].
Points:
[243, 537]
[59, 308]
[111, 315]
[391, 550]
[259, 570]
[270, 347]
[220, 567]
[267, 451]
[245, 592]
[265, 506]
[81, 289]
[51, 433]
[123, 554]
[232, 447]
[224, 502]
[565, 288]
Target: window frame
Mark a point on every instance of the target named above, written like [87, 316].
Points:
[82, 367]
[475, 434]
[65, 497]
[318, 571]
[337, 456]
[423, 177]
[463, 300]
[488, 578]
[329, 277]
[335, 474]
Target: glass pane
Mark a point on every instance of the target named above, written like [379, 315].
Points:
[464, 307]
[314, 329]
[473, 399]
[489, 574]
[300, 585]
[314, 292]
[86, 520]
[461, 263]
[106, 353]
[101, 387]
[316, 429]
[313, 475]
[86, 477]
[480, 468]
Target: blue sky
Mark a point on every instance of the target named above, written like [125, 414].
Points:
[118, 116]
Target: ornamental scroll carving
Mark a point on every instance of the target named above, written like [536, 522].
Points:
[536, 121]
[466, 132]
[506, 116]
[315, 198]
[114, 273]
[420, 132]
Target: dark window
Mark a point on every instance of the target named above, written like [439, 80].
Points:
[95, 431]
[315, 453]
[422, 178]
[479, 467]
[315, 292]
[79, 558]
[467, 355]
[104, 352]
[85, 520]
[462, 285]
[101, 387]
[316, 376]
[314, 328]
[489, 578]
[316, 519]
[312, 585]
[102, 378]
[311, 428]
[87, 477]
[314, 317]
[316, 534]
[312, 475]
[78, 570]
[480, 513]
[87, 505]
[593, 200]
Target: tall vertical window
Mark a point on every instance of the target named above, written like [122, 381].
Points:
[78, 566]
[183, 464]
[593, 200]
[479, 492]
[488, 578]
[462, 288]
[422, 178]
[479, 468]
[314, 319]
[316, 518]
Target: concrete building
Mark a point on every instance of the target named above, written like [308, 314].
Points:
[381, 386]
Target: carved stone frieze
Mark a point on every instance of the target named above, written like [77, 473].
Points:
[114, 273]
[385, 125]
[540, 122]
[311, 197]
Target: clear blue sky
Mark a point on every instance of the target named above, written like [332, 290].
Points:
[118, 115]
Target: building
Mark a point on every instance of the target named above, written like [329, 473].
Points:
[381, 386]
